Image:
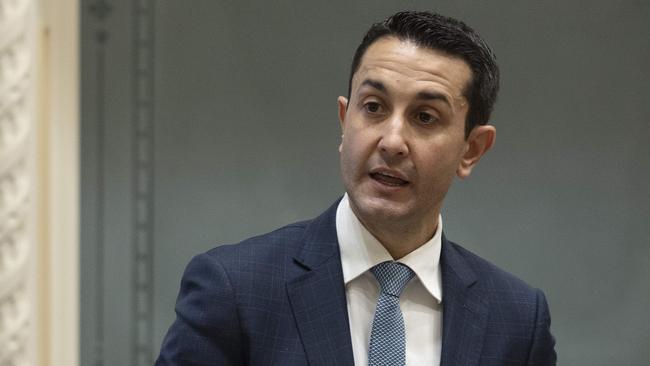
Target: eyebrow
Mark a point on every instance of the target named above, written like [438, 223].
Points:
[425, 95]
[375, 84]
[422, 95]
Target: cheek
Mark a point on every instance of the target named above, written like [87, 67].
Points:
[353, 156]
[350, 144]
[345, 152]
[348, 157]
[437, 164]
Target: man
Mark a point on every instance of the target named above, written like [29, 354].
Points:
[373, 280]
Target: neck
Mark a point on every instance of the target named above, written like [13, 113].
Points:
[401, 238]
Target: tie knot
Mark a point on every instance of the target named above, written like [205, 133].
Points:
[392, 277]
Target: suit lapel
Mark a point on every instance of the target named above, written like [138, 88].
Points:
[464, 313]
[317, 295]
[317, 298]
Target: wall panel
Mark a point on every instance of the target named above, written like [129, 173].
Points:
[205, 122]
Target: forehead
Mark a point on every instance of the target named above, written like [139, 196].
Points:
[406, 64]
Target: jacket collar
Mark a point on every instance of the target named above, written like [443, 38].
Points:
[464, 311]
[317, 295]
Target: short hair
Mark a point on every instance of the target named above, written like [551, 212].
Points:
[453, 37]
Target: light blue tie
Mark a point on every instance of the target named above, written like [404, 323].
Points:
[388, 339]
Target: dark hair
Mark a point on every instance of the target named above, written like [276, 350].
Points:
[453, 37]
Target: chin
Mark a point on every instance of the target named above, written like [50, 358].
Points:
[378, 209]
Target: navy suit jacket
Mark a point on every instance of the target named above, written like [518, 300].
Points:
[279, 299]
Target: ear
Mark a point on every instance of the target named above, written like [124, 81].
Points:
[343, 107]
[479, 141]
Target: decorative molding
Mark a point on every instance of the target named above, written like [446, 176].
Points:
[17, 302]
[143, 182]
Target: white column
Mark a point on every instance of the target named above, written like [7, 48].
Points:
[17, 176]
[57, 129]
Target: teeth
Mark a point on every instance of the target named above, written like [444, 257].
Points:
[390, 175]
[389, 179]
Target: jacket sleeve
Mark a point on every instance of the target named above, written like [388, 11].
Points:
[206, 330]
[542, 351]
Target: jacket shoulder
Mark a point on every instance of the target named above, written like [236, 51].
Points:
[518, 315]
[283, 241]
[261, 258]
[491, 277]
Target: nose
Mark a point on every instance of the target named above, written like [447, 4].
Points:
[393, 141]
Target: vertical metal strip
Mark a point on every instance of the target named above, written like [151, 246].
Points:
[143, 182]
[100, 10]
[101, 197]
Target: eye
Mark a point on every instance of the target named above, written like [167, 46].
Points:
[372, 107]
[427, 118]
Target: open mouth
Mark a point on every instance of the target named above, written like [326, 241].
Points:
[388, 179]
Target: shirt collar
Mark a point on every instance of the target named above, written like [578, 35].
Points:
[360, 251]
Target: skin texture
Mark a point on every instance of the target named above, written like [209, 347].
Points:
[405, 119]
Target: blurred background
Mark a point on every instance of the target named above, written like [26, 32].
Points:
[137, 134]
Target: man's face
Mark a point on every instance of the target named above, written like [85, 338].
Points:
[403, 133]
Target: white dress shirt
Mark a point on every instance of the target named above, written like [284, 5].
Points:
[420, 302]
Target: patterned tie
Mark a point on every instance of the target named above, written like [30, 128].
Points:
[388, 340]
